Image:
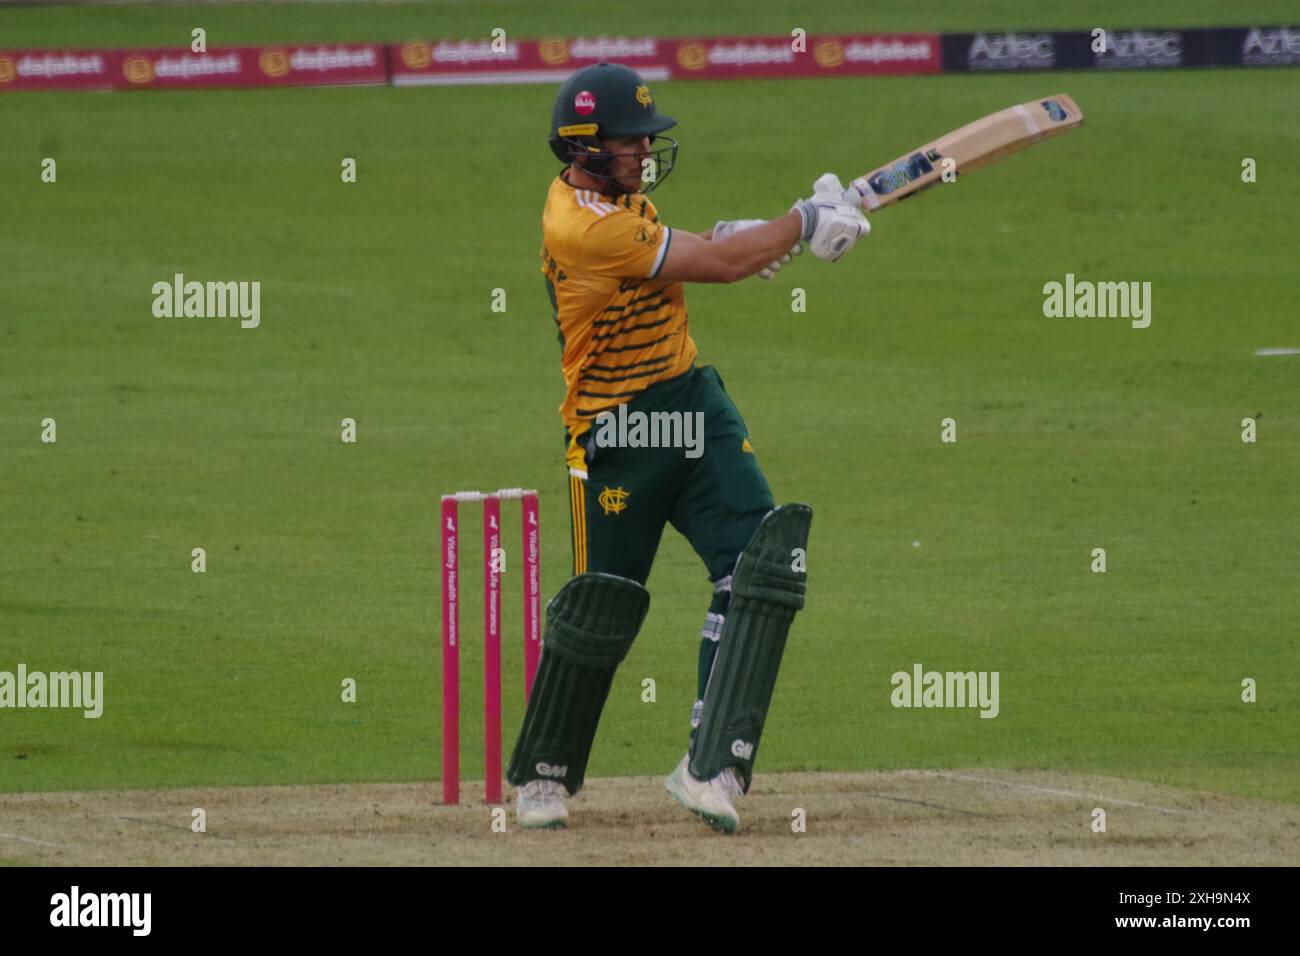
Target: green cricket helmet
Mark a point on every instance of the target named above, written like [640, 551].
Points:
[603, 101]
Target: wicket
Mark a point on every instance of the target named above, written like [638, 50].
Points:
[531, 547]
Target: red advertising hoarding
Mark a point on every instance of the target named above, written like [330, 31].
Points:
[842, 55]
[58, 69]
[180, 68]
[548, 60]
[334, 64]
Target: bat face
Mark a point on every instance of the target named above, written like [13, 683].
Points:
[965, 150]
[902, 173]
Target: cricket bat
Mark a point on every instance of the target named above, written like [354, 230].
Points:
[974, 145]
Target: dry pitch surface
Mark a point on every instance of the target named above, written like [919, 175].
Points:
[907, 817]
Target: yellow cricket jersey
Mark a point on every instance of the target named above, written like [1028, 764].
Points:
[621, 328]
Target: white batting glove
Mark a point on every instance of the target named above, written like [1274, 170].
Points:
[773, 268]
[728, 227]
[830, 223]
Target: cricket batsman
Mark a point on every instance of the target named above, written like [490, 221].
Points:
[614, 274]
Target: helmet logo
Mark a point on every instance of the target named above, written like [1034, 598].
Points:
[585, 103]
[643, 95]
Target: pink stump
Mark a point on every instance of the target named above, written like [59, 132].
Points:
[532, 588]
[492, 556]
[450, 656]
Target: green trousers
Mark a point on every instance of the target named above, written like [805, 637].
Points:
[710, 489]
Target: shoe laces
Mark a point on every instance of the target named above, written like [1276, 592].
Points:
[549, 788]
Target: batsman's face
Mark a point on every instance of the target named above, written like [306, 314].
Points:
[629, 153]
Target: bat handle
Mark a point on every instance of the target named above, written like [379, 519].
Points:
[861, 196]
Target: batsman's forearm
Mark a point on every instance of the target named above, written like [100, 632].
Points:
[753, 249]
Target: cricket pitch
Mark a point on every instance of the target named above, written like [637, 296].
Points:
[921, 817]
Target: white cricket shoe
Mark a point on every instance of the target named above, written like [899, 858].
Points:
[712, 800]
[539, 805]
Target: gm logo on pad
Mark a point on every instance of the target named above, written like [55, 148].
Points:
[741, 749]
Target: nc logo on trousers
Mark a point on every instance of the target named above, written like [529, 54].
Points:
[742, 750]
[547, 770]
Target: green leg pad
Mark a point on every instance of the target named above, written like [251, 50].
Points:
[766, 589]
[590, 626]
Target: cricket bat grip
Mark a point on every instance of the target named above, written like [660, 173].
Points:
[863, 200]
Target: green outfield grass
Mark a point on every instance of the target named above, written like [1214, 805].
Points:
[1072, 433]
